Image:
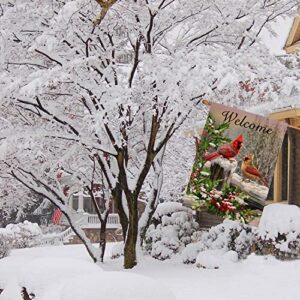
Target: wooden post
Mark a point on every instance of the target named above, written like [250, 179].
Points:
[80, 202]
[294, 167]
[278, 179]
[222, 169]
[71, 202]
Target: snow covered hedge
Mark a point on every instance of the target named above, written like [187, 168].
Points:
[117, 250]
[171, 230]
[230, 236]
[20, 235]
[4, 248]
[279, 232]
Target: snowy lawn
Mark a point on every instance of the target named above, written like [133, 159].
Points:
[65, 273]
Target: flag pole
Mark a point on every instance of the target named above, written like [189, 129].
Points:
[206, 102]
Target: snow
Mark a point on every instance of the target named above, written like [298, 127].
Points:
[54, 272]
[117, 250]
[168, 208]
[226, 164]
[214, 259]
[257, 277]
[229, 236]
[252, 188]
[21, 234]
[167, 238]
[188, 200]
[58, 269]
[58, 273]
[66, 278]
[16, 229]
[114, 285]
[279, 219]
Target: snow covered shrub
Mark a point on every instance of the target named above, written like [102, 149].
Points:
[214, 259]
[4, 247]
[171, 230]
[279, 232]
[52, 228]
[228, 236]
[117, 250]
[22, 235]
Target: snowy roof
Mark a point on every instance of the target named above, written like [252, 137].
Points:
[282, 36]
[265, 109]
[281, 29]
[286, 112]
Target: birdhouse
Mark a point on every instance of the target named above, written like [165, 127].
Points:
[286, 182]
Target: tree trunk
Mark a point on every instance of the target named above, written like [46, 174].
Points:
[25, 294]
[144, 229]
[132, 235]
[102, 243]
[149, 211]
[81, 235]
[117, 197]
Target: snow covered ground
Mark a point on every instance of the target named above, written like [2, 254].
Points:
[65, 273]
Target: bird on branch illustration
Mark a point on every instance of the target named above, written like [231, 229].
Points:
[105, 6]
[249, 171]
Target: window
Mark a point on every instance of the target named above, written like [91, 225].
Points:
[75, 203]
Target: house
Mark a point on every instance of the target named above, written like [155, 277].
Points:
[285, 186]
[292, 43]
[286, 181]
[287, 36]
[85, 213]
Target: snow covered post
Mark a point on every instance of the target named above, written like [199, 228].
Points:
[222, 169]
[80, 202]
[71, 202]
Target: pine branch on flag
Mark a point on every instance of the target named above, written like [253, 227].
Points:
[56, 216]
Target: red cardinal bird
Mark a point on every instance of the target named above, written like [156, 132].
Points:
[228, 150]
[250, 172]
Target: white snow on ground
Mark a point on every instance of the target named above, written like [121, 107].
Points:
[113, 286]
[65, 273]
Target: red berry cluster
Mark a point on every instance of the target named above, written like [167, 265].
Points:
[224, 204]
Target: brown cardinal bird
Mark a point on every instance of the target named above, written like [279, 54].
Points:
[251, 172]
[228, 150]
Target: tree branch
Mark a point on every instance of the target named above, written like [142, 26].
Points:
[49, 57]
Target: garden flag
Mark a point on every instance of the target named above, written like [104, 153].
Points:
[235, 161]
